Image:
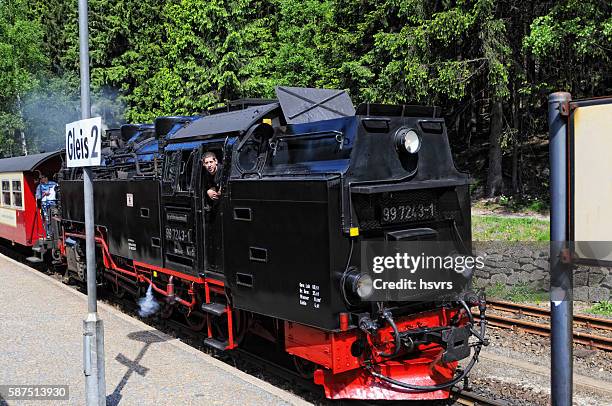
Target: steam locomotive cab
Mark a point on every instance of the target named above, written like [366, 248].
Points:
[303, 196]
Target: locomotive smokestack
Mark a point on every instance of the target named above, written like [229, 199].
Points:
[148, 304]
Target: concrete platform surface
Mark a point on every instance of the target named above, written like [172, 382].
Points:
[41, 342]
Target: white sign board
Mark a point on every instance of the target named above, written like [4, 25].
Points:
[590, 188]
[84, 142]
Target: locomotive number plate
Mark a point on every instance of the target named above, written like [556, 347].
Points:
[401, 213]
[180, 235]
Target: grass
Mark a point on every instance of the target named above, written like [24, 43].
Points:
[517, 293]
[496, 228]
[602, 308]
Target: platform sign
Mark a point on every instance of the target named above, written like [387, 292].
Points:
[590, 180]
[84, 142]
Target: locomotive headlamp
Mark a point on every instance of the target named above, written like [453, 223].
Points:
[363, 286]
[356, 284]
[407, 139]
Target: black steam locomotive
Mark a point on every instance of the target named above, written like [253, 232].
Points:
[302, 181]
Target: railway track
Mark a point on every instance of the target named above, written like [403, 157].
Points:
[521, 310]
[469, 398]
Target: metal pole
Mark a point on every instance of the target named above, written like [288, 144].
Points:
[561, 306]
[93, 328]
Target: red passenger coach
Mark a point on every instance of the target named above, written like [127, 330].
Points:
[20, 219]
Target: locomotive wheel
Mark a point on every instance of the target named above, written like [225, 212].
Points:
[304, 367]
[166, 311]
[137, 294]
[56, 254]
[67, 278]
[240, 322]
[118, 290]
[219, 328]
[196, 320]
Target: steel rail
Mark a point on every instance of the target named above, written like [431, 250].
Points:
[469, 398]
[591, 340]
[530, 310]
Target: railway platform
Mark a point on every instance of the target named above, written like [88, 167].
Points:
[41, 344]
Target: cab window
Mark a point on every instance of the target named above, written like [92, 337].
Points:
[179, 169]
[188, 162]
[172, 168]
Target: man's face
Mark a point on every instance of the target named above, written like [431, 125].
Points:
[44, 180]
[210, 163]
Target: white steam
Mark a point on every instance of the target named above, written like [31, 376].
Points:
[148, 304]
[47, 109]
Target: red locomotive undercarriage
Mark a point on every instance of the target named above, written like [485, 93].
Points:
[345, 376]
[342, 373]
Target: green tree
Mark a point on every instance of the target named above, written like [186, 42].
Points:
[22, 61]
[572, 47]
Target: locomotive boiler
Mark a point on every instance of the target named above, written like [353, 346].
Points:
[304, 181]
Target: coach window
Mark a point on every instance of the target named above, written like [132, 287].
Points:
[17, 196]
[6, 193]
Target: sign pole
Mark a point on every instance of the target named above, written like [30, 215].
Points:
[93, 328]
[561, 305]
